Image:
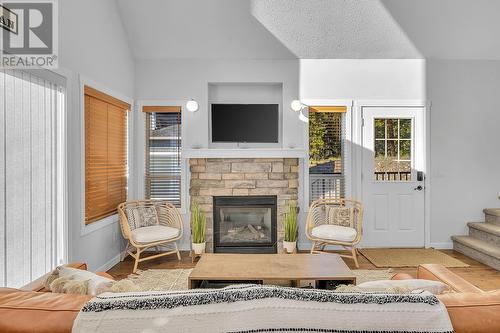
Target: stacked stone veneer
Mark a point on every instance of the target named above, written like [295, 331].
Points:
[241, 177]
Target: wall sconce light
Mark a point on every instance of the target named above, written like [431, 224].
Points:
[192, 105]
[303, 118]
[296, 105]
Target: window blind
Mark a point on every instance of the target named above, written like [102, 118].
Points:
[163, 153]
[326, 154]
[106, 168]
[31, 229]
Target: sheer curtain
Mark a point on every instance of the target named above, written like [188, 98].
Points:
[31, 175]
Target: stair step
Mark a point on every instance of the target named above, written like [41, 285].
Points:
[478, 249]
[489, 232]
[492, 215]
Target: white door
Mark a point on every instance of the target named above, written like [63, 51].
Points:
[393, 166]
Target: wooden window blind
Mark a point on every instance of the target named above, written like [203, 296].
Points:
[106, 166]
[163, 153]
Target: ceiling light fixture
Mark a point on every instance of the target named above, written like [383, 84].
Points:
[192, 105]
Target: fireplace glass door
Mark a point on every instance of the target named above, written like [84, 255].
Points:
[245, 224]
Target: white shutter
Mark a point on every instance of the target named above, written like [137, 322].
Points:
[163, 156]
[326, 174]
[28, 176]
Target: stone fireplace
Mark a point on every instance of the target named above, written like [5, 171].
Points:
[244, 177]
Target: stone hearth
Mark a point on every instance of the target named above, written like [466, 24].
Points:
[240, 177]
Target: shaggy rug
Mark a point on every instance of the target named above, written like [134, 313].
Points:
[177, 279]
[409, 257]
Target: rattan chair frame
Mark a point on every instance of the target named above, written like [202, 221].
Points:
[170, 217]
[316, 217]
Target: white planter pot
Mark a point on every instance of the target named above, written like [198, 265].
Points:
[289, 246]
[198, 248]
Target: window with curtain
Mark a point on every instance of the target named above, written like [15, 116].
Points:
[31, 173]
[163, 153]
[326, 132]
[106, 166]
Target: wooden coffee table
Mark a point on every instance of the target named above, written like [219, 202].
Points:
[219, 269]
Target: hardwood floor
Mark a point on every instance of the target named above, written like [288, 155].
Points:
[482, 276]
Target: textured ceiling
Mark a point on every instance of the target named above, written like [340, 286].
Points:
[284, 29]
[334, 28]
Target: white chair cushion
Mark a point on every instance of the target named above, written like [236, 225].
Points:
[154, 234]
[334, 232]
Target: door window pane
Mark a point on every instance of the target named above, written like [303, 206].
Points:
[392, 148]
[405, 149]
[379, 129]
[405, 128]
[392, 128]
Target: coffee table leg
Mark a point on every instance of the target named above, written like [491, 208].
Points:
[193, 284]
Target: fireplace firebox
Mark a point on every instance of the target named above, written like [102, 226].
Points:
[245, 224]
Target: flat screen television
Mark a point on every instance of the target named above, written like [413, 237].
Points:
[253, 123]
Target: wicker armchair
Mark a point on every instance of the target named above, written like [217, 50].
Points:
[149, 223]
[347, 236]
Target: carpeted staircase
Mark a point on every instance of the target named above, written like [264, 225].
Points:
[483, 242]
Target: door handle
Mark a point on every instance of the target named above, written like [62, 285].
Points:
[419, 188]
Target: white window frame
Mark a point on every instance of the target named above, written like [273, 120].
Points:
[347, 151]
[140, 137]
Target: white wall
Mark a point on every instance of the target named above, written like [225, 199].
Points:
[465, 158]
[179, 80]
[185, 79]
[92, 44]
[308, 79]
[358, 79]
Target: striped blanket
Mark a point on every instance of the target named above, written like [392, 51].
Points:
[256, 308]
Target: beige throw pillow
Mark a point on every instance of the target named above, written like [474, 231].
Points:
[341, 216]
[72, 280]
[434, 287]
[141, 217]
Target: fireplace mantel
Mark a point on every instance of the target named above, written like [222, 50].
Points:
[244, 153]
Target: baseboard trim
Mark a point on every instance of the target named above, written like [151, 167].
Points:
[110, 263]
[442, 246]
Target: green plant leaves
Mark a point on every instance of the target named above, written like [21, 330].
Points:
[198, 224]
[290, 224]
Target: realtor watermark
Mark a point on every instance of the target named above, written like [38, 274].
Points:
[29, 34]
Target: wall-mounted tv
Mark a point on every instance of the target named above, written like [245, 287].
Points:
[253, 123]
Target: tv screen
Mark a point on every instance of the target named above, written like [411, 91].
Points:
[245, 123]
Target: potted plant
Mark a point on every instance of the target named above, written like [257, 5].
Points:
[291, 229]
[198, 224]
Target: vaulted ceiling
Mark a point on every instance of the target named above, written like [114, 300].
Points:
[288, 29]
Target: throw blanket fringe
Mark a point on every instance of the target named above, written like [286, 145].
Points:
[245, 293]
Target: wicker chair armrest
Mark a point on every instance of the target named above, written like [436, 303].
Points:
[168, 215]
[124, 225]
